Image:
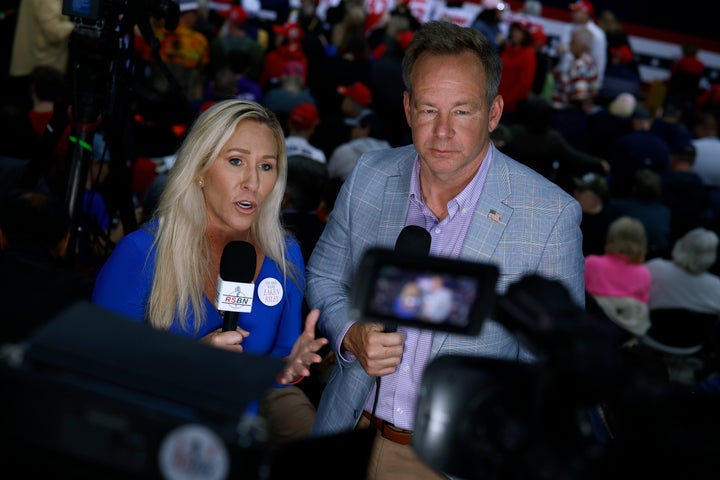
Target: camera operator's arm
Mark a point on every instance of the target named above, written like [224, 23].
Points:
[378, 352]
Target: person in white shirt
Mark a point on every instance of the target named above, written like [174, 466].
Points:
[707, 150]
[302, 122]
[684, 281]
[363, 138]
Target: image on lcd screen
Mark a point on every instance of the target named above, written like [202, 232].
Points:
[78, 7]
[423, 297]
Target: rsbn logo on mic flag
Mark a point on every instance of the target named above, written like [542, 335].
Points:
[231, 296]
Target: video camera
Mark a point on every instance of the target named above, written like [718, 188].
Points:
[92, 394]
[585, 408]
[391, 284]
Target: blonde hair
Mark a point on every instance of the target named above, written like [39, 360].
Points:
[183, 252]
[626, 237]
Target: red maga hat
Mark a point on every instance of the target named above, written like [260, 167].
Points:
[304, 116]
[235, 14]
[357, 92]
[291, 30]
[582, 6]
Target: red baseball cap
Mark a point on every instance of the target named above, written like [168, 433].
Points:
[538, 33]
[357, 92]
[582, 6]
[291, 30]
[304, 116]
[235, 14]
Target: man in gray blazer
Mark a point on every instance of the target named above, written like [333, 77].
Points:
[478, 205]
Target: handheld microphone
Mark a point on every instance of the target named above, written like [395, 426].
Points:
[235, 287]
[414, 240]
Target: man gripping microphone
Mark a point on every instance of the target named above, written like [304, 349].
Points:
[235, 287]
[480, 206]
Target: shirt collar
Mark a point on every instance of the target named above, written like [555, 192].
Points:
[467, 196]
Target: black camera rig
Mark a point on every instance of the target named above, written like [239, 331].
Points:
[100, 72]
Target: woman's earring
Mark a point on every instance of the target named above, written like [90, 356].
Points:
[201, 183]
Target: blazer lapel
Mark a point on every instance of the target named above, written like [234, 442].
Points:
[396, 200]
[491, 215]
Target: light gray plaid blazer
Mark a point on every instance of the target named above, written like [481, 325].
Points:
[523, 223]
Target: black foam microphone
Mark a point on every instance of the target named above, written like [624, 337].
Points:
[414, 240]
[235, 287]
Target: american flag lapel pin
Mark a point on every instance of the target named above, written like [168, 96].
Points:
[494, 216]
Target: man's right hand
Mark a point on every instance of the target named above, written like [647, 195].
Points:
[379, 352]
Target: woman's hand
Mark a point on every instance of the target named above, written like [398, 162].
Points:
[304, 353]
[231, 340]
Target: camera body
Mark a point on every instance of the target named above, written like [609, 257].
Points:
[580, 410]
[398, 288]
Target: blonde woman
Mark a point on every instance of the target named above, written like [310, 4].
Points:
[227, 184]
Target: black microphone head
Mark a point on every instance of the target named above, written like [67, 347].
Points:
[237, 263]
[413, 239]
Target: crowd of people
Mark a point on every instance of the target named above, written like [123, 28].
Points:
[315, 135]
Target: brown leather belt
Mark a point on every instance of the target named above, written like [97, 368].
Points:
[389, 431]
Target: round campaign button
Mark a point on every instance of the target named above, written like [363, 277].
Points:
[270, 291]
[193, 452]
